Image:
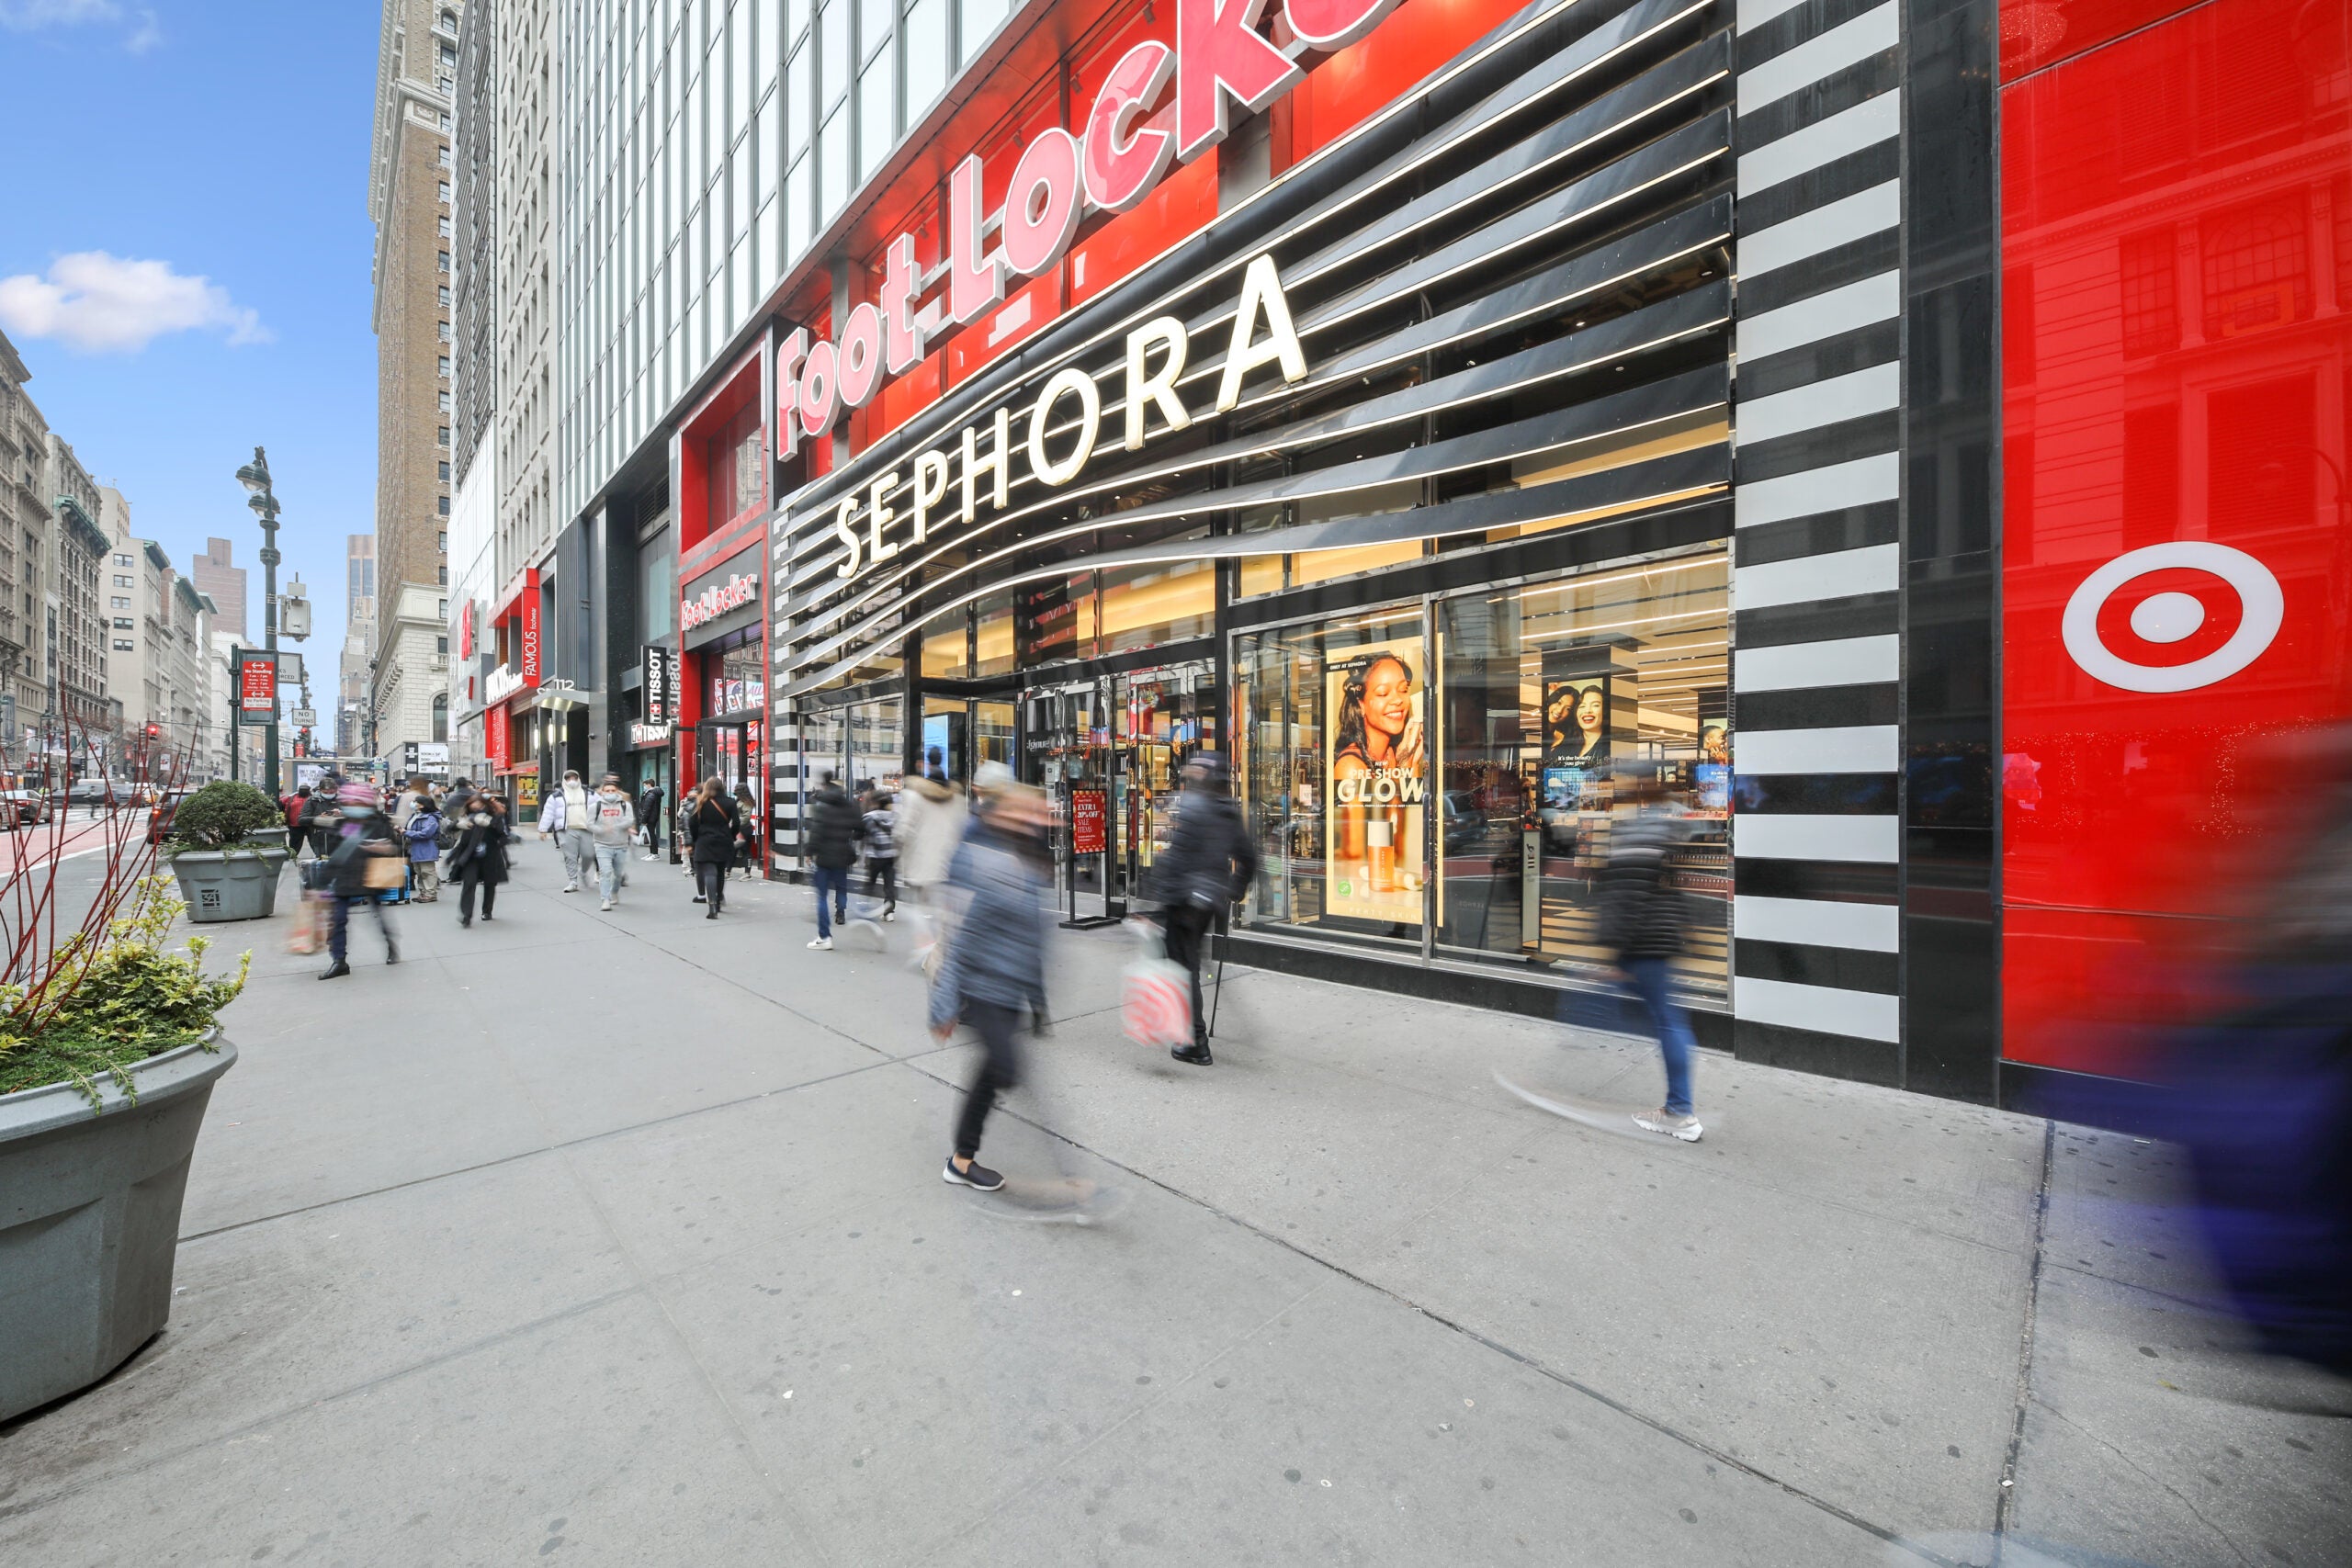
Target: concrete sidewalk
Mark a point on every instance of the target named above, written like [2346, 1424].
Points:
[621, 1239]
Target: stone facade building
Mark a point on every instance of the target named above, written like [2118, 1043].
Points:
[24, 534]
[76, 661]
[412, 202]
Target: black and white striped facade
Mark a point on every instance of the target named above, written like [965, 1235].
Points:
[1817, 650]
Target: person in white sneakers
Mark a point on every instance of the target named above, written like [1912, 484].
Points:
[611, 823]
[882, 853]
[565, 815]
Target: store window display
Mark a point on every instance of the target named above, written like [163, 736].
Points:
[1452, 786]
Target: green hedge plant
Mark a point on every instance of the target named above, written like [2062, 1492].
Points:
[221, 815]
[106, 1005]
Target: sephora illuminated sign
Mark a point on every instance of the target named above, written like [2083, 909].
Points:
[902, 508]
[1109, 166]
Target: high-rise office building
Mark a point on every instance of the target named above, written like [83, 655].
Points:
[358, 642]
[225, 584]
[412, 201]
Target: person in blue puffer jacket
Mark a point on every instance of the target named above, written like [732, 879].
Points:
[995, 967]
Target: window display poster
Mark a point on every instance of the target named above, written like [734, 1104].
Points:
[1576, 722]
[1376, 784]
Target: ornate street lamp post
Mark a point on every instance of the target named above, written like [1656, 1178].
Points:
[254, 477]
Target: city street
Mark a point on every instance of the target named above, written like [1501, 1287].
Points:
[621, 1238]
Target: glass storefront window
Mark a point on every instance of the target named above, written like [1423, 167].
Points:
[1334, 773]
[994, 645]
[947, 648]
[658, 586]
[1151, 605]
[1545, 694]
[1461, 774]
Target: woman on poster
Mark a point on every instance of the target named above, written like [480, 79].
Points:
[1378, 737]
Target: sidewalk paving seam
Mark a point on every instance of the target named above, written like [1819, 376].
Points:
[2005, 1500]
[1532, 1363]
[561, 1146]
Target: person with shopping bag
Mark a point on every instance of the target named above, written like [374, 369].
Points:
[366, 862]
[1208, 864]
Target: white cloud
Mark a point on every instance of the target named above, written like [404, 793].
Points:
[144, 29]
[101, 303]
[24, 15]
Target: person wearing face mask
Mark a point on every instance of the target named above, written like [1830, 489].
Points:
[611, 822]
[478, 860]
[566, 816]
[1208, 864]
[994, 969]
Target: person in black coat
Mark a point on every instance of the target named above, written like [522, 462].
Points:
[1208, 864]
[711, 823]
[479, 857]
[834, 826]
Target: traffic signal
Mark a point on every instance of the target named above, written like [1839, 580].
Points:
[153, 730]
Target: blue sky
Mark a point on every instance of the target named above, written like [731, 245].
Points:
[228, 143]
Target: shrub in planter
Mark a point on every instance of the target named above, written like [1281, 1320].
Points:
[222, 813]
[225, 854]
[109, 1046]
[110, 1000]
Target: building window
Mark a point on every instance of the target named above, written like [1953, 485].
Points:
[443, 545]
[444, 609]
[441, 505]
[445, 193]
[445, 400]
[444, 260]
[447, 230]
[445, 161]
[445, 366]
[122, 560]
[445, 435]
[441, 715]
[122, 622]
[123, 580]
[446, 335]
[444, 577]
[445, 480]
[440, 645]
[123, 645]
[120, 603]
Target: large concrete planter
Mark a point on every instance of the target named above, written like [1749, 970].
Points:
[230, 884]
[271, 838]
[90, 1220]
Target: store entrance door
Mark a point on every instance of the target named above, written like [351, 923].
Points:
[1109, 752]
[965, 732]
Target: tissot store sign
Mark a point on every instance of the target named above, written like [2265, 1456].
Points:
[1119, 152]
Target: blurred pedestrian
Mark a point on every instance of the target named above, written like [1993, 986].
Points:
[710, 828]
[480, 858]
[930, 824]
[293, 805]
[364, 838]
[1641, 928]
[320, 815]
[612, 822]
[422, 836]
[833, 830]
[995, 966]
[747, 830]
[648, 817]
[882, 852]
[565, 815]
[1209, 863]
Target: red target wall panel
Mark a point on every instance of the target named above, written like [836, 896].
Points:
[2176, 360]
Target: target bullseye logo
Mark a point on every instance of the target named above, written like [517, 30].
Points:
[2172, 617]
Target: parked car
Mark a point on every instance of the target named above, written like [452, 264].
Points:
[159, 816]
[25, 807]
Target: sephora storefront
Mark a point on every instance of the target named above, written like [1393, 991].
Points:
[1383, 443]
[1355, 390]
